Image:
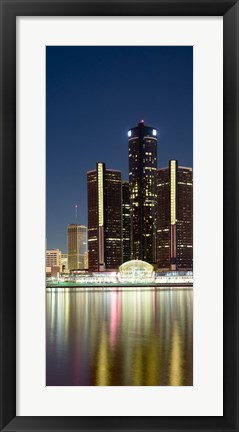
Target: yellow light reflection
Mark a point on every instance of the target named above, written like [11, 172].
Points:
[153, 364]
[102, 373]
[175, 373]
[138, 368]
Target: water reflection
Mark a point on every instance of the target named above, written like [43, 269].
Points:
[130, 338]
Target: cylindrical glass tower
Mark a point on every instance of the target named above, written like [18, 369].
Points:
[143, 191]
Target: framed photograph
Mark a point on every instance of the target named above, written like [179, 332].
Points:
[119, 157]
[126, 249]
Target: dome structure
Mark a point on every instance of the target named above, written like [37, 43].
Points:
[136, 271]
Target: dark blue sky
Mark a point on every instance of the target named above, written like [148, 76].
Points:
[93, 96]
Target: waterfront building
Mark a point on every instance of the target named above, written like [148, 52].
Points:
[136, 271]
[175, 217]
[104, 189]
[142, 142]
[126, 220]
[76, 245]
[53, 272]
[53, 259]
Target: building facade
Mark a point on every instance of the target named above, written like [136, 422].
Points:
[86, 263]
[64, 262]
[126, 221]
[142, 142]
[163, 219]
[53, 258]
[175, 217]
[104, 189]
[76, 246]
[185, 219]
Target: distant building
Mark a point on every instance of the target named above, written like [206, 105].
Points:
[64, 262]
[143, 191]
[126, 221]
[76, 246]
[53, 271]
[86, 260]
[104, 218]
[175, 217]
[53, 258]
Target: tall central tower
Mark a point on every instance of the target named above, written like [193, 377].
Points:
[143, 191]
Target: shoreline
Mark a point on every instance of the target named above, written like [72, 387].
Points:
[119, 287]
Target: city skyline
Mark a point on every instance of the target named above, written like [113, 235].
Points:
[118, 213]
[118, 194]
[80, 147]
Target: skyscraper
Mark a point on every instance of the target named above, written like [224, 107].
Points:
[175, 217]
[185, 218]
[76, 246]
[104, 218]
[126, 221]
[143, 191]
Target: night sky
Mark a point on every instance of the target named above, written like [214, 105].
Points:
[93, 96]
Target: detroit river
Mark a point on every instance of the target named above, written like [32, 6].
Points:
[119, 337]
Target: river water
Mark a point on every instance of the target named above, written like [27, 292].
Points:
[138, 337]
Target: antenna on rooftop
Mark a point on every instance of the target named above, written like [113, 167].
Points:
[76, 211]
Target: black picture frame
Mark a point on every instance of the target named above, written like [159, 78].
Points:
[10, 9]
